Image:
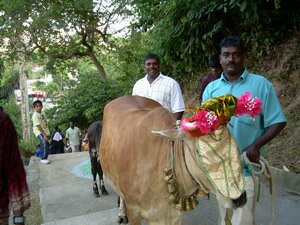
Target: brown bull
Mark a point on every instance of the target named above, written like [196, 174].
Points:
[134, 160]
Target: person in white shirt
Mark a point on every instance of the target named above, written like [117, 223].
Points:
[159, 87]
[73, 135]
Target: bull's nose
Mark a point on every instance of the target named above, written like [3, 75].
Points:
[240, 201]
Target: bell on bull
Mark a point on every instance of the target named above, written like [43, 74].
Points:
[168, 174]
[188, 204]
[181, 205]
[174, 198]
[194, 201]
[171, 188]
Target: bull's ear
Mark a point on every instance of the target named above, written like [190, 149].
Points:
[170, 134]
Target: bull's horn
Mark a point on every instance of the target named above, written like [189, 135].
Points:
[172, 134]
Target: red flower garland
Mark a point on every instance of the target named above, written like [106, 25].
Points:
[206, 121]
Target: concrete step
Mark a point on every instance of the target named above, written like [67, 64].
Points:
[107, 217]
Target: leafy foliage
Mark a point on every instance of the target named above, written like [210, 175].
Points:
[9, 82]
[30, 145]
[84, 102]
[13, 110]
[186, 32]
[75, 41]
[62, 30]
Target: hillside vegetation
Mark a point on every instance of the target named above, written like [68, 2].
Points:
[282, 67]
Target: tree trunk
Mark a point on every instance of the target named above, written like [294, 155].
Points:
[24, 99]
[98, 65]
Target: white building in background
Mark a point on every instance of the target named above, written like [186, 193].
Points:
[35, 94]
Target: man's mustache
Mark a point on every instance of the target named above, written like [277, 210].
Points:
[230, 64]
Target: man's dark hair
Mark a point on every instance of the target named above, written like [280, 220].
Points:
[214, 61]
[232, 41]
[37, 102]
[151, 56]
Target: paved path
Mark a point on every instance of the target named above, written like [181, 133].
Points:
[67, 197]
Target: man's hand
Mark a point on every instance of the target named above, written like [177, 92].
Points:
[253, 149]
[253, 153]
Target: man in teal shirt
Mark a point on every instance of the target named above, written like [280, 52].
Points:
[251, 134]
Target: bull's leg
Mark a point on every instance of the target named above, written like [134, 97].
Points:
[133, 217]
[95, 190]
[100, 173]
[102, 188]
[122, 217]
[94, 173]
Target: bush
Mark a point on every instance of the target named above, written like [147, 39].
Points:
[28, 148]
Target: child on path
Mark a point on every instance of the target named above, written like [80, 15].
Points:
[41, 130]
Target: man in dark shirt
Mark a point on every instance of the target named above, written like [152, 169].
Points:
[216, 70]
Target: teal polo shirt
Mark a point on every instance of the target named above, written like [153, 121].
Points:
[245, 129]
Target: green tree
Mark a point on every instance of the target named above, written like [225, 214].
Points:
[63, 30]
[85, 99]
[185, 32]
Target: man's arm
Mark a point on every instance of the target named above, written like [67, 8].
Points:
[272, 131]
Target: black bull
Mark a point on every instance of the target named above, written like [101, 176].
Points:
[94, 138]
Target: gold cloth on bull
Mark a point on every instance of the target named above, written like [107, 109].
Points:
[216, 157]
[220, 160]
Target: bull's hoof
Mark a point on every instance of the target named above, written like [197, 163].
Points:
[103, 190]
[125, 219]
[96, 194]
[122, 219]
[96, 191]
[240, 201]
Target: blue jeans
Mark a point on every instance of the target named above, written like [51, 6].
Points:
[44, 146]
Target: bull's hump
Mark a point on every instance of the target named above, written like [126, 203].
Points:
[133, 102]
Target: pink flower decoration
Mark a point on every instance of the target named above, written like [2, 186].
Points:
[186, 125]
[248, 105]
[207, 121]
